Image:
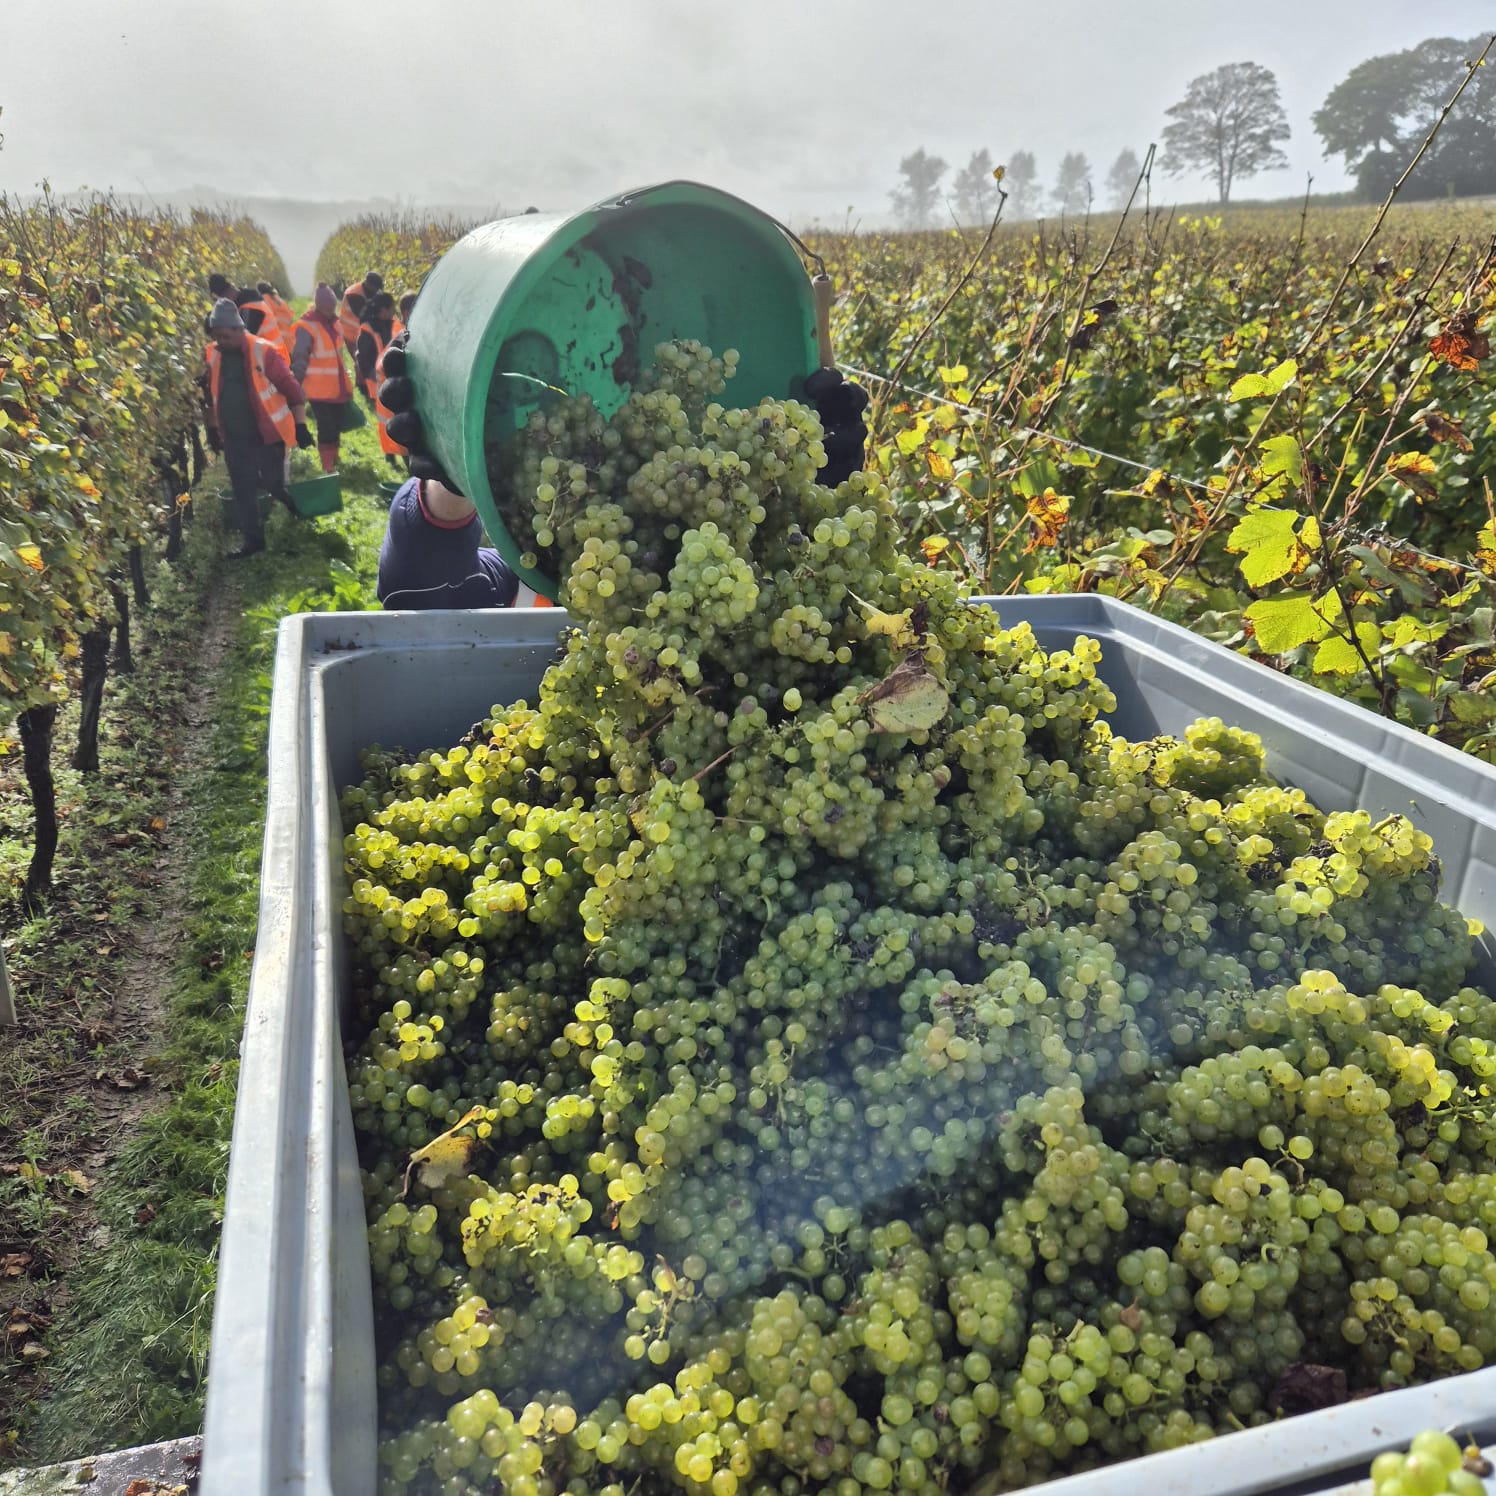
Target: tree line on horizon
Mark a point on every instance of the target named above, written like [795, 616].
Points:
[1231, 124]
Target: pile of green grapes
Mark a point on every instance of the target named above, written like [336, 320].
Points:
[804, 1049]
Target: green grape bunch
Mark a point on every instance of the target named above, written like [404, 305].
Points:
[804, 1048]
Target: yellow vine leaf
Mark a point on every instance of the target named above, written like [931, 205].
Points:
[896, 626]
[1412, 470]
[30, 555]
[1272, 545]
[1485, 546]
[445, 1156]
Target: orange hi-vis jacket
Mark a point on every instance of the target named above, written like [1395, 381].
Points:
[371, 385]
[284, 316]
[382, 412]
[269, 327]
[326, 376]
[348, 319]
[272, 402]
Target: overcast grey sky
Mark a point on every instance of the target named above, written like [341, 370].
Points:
[804, 108]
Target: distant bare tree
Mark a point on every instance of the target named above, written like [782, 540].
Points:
[975, 189]
[1022, 182]
[1123, 176]
[1072, 188]
[916, 196]
[1228, 123]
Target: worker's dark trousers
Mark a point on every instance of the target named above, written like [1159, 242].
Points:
[254, 466]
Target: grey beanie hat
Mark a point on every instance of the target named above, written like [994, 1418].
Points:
[224, 314]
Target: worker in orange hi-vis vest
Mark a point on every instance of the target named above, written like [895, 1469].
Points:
[285, 318]
[392, 449]
[317, 361]
[374, 336]
[259, 317]
[351, 310]
[256, 410]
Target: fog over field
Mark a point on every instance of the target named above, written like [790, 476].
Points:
[806, 110]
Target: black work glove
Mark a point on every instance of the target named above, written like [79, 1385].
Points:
[397, 394]
[840, 405]
[215, 441]
[304, 436]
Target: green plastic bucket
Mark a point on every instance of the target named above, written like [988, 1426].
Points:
[313, 496]
[231, 508]
[525, 305]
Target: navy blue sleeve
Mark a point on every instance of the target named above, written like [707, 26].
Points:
[424, 564]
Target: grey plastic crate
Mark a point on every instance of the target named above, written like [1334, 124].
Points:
[291, 1400]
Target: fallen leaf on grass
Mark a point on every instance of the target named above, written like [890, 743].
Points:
[15, 1264]
[145, 1215]
[129, 1079]
[34, 1351]
[76, 1179]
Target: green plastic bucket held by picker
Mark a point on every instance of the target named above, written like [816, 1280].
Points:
[525, 306]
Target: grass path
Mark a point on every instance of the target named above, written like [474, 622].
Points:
[117, 1090]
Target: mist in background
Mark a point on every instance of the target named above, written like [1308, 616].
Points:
[308, 111]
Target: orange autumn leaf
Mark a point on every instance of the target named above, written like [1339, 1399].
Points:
[932, 546]
[1461, 344]
[1048, 513]
[30, 555]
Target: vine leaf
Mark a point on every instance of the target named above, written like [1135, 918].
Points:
[1273, 544]
[445, 1156]
[1338, 656]
[1048, 512]
[896, 626]
[1285, 622]
[909, 699]
[1485, 546]
[1274, 382]
[1442, 429]
[1412, 470]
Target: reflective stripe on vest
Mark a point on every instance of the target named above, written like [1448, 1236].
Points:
[285, 317]
[272, 402]
[326, 376]
[347, 317]
[527, 597]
